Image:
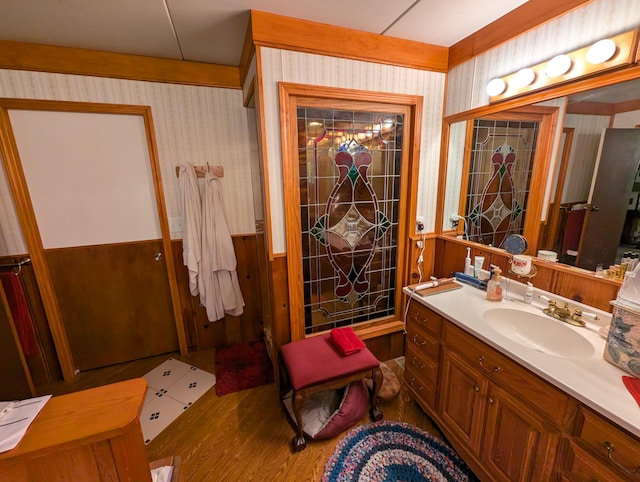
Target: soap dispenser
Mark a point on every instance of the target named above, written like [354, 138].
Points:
[494, 286]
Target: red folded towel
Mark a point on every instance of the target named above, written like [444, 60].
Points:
[633, 385]
[346, 340]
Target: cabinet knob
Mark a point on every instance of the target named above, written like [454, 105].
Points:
[415, 340]
[609, 448]
[412, 382]
[476, 388]
[490, 400]
[414, 360]
[495, 369]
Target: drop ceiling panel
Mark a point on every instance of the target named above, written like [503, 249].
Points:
[139, 27]
[214, 31]
[445, 23]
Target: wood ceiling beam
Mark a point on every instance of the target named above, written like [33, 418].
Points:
[276, 31]
[526, 17]
[67, 60]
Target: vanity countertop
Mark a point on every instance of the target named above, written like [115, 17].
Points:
[593, 381]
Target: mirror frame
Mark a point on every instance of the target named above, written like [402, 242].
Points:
[623, 74]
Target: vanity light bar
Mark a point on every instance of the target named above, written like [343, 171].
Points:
[603, 55]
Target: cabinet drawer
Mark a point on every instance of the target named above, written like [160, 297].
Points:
[618, 450]
[420, 315]
[422, 343]
[425, 369]
[417, 380]
[539, 394]
[585, 467]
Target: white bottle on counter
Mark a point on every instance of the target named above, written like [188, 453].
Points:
[468, 269]
[528, 293]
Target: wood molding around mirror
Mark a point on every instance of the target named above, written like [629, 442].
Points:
[583, 97]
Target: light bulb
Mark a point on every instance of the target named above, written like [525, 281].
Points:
[496, 87]
[524, 77]
[601, 51]
[558, 65]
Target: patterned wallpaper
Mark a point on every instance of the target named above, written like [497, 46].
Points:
[192, 124]
[596, 20]
[296, 67]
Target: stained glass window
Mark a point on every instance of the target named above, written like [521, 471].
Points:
[349, 168]
[499, 178]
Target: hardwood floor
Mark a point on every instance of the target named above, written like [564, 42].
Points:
[243, 436]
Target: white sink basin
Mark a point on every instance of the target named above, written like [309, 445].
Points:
[539, 332]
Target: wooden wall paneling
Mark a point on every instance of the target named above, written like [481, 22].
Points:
[203, 334]
[44, 368]
[386, 347]
[67, 60]
[15, 381]
[288, 33]
[563, 280]
[587, 289]
[247, 326]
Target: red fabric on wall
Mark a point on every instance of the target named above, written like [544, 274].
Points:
[20, 313]
[573, 230]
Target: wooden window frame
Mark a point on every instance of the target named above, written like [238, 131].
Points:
[293, 95]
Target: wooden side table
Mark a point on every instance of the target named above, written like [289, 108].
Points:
[89, 435]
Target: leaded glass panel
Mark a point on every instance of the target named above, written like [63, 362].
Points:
[349, 168]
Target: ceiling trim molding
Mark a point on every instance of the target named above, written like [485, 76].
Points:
[67, 60]
[276, 31]
[526, 17]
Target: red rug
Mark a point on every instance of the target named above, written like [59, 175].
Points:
[242, 366]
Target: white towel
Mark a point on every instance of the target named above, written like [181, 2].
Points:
[192, 224]
[218, 281]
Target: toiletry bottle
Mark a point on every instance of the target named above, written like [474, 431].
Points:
[468, 268]
[478, 262]
[494, 286]
[528, 293]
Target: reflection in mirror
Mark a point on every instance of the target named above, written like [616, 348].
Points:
[572, 181]
[593, 214]
[495, 163]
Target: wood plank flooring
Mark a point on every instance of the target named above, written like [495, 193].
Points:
[243, 436]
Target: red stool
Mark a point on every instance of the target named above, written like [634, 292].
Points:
[315, 364]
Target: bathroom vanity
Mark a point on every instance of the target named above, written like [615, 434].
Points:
[521, 396]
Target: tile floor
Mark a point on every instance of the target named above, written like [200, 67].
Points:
[173, 387]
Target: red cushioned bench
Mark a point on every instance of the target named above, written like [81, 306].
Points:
[315, 364]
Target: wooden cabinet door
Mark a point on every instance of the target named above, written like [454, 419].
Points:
[516, 446]
[462, 399]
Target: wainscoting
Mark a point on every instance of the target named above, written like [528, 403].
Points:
[563, 280]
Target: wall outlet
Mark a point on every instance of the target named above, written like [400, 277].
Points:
[420, 226]
[176, 225]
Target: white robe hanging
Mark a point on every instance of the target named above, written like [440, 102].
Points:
[191, 224]
[218, 281]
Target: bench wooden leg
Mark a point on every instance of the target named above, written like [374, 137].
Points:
[298, 442]
[376, 413]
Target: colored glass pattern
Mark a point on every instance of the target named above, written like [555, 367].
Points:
[349, 186]
[499, 179]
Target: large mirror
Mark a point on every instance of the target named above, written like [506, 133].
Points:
[586, 210]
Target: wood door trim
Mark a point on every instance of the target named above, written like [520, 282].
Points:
[26, 213]
[292, 95]
[554, 214]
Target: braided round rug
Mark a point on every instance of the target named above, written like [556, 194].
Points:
[393, 451]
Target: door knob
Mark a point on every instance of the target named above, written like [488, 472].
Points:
[157, 256]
